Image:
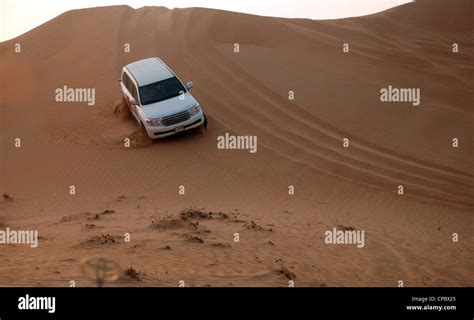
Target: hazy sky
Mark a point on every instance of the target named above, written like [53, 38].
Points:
[19, 16]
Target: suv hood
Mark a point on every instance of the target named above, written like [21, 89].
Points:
[168, 107]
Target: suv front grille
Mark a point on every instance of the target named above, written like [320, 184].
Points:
[175, 118]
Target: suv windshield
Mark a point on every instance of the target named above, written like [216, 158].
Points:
[161, 90]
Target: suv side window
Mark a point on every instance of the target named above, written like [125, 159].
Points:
[128, 83]
[134, 91]
[126, 80]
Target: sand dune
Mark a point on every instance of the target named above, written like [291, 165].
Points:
[300, 142]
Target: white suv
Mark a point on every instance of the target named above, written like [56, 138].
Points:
[158, 99]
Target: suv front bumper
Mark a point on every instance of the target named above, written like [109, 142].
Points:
[161, 132]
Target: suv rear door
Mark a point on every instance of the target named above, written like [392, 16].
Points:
[129, 92]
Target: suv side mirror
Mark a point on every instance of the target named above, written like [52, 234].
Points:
[189, 85]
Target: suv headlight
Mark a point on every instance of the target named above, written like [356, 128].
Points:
[194, 110]
[154, 122]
